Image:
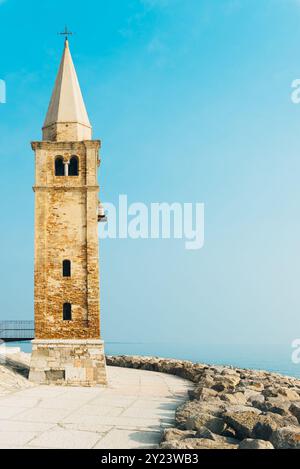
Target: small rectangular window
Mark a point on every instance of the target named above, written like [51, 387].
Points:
[67, 312]
[59, 166]
[66, 268]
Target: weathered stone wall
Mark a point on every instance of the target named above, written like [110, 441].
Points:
[67, 132]
[68, 362]
[66, 228]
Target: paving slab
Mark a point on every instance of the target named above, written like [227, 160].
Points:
[9, 412]
[130, 412]
[122, 439]
[59, 438]
[15, 439]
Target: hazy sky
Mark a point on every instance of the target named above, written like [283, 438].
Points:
[192, 102]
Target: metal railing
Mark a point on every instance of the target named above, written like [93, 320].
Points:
[16, 330]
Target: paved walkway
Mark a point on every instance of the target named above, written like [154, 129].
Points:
[130, 413]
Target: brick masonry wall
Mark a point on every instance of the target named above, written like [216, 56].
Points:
[66, 227]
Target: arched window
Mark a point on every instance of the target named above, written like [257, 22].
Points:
[67, 312]
[66, 268]
[74, 166]
[59, 166]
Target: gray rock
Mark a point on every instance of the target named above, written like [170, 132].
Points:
[229, 433]
[176, 434]
[206, 381]
[286, 438]
[234, 398]
[258, 405]
[227, 436]
[270, 423]
[242, 408]
[218, 386]
[230, 371]
[295, 410]
[289, 394]
[198, 443]
[205, 394]
[204, 432]
[252, 385]
[226, 382]
[242, 422]
[254, 397]
[285, 393]
[214, 424]
[270, 391]
[185, 411]
[277, 405]
[255, 444]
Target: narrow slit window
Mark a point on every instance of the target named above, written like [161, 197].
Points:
[67, 312]
[74, 166]
[66, 268]
[59, 166]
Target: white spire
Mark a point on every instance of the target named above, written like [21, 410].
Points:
[67, 118]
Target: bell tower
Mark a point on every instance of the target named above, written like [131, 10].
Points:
[67, 348]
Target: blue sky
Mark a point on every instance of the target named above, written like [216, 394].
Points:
[192, 102]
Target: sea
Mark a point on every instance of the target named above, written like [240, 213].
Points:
[276, 358]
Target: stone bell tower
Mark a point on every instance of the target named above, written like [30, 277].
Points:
[67, 348]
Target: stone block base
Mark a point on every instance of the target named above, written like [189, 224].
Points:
[68, 362]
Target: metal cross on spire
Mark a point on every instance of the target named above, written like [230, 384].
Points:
[66, 33]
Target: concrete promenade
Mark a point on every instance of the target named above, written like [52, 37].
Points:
[130, 413]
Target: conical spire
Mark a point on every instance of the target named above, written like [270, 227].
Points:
[67, 119]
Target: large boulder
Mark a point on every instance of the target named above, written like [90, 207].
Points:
[192, 408]
[176, 434]
[226, 382]
[252, 385]
[238, 408]
[242, 422]
[255, 444]
[277, 405]
[214, 424]
[289, 394]
[198, 443]
[268, 424]
[286, 438]
[229, 370]
[295, 410]
[203, 394]
[253, 397]
[258, 404]
[207, 434]
[271, 391]
[204, 432]
[205, 381]
[234, 398]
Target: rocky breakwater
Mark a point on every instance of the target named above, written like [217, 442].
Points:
[229, 408]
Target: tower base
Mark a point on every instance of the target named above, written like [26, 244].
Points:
[68, 362]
